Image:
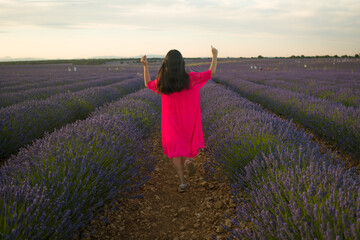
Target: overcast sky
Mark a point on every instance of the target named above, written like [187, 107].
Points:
[92, 28]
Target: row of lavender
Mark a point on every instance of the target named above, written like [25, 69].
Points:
[51, 189]
[23, 75]
[327, 119]
[333, 82]
[10, 98]
[292, 189]
[341, 87]
[16, 78]
[21, 83]
[24, 122]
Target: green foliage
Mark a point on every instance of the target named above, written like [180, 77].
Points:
[243, 150]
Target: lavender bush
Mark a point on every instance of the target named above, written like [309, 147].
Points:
[313, 83]
[335, 122]
[25, 77]
[21, 207]
[9, 98]
[63, 177]
[238, 130]
[22, 123]
[30, 77]
[319, 200]
[296, 191]
[144, 108]
[336, 84]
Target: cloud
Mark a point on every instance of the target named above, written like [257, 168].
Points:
[250, 19]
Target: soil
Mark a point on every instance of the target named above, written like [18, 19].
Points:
[3, 161]
[163, 212]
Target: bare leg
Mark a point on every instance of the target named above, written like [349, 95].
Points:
[190, 166]
[179, 167]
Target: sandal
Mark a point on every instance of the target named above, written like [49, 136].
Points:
[190, 165]
[183, 187]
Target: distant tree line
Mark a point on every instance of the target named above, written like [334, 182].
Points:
[324, 56]
[327, 56]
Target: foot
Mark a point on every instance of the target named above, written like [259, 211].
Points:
[190, 166]
[183, 187]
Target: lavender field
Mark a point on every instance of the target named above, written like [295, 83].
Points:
[36, 99]
[79, 140]
[294, 189]
[50, 189]
[322, 95]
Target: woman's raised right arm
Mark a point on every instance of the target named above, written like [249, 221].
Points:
[213, 65]
[146, 70]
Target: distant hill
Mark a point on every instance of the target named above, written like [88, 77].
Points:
[86, 61]
[10, 59]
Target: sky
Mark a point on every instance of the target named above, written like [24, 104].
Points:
[67, 29]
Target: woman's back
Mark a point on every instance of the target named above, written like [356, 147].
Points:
[181, 117]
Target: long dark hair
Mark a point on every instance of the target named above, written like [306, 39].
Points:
[172, 76]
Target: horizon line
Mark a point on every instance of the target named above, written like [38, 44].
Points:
[155, 56]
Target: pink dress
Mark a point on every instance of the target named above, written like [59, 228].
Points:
[181, 124]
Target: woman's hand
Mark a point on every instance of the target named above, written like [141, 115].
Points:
[146, 70]
[214, 51]
[213, 65]
[144, 61]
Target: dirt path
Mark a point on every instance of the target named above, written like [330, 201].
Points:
[164, 213]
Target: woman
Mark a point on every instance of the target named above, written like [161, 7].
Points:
[181, 123]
